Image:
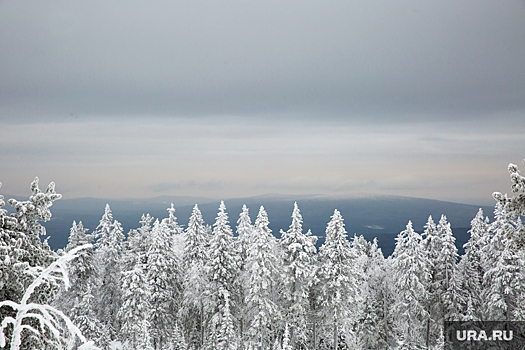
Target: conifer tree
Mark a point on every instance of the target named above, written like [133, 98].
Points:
[431, 244]
[242, 243]
[471, 266]
[78, 302]
[20, 246]
[83, 270]
[164, 277]
[224, 262]
[178, 342]
[504, 280]
[375, 325]
[176, 232]
[244, 234]
[286, 339]
[107, 255]
[223, 324]
[451, 294]
[196, 301]
[262, 270]
[83, 315]
[513, 206]
[134, 313]
[340, 278]
[223, 270]
[298, 263]
[411, 275]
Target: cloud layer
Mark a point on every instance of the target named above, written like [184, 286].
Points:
[237, 97]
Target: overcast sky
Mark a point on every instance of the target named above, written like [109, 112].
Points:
[238, 98]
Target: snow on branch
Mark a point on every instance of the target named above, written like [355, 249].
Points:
[61, 327]
[29, 212]
[514, 206]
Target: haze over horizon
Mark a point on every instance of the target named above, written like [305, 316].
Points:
[235, 98]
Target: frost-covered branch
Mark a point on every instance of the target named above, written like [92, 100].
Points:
[60, 326]
[514, 206]
[29, 212]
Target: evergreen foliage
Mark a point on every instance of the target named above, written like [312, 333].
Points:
[108, 255]
[262, 270]
[202, 288]
[340, 279]
[412, 276]
[298, 267]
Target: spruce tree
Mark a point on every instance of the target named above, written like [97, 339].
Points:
[452, 298]
[471, 266]
[504, 279]
[78, 302]
[196, 300]
[374, 329]
[411, 275]
[134, 314]
[242, 243]
[513, 206]
[340, 278]
[107, 255]
[164, 277]
[298, 263]
[21, 246]
[224, 262]
[223, 271]
[262, 271]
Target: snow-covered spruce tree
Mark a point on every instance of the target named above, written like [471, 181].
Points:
[411, 275]
[431, 245]
[134, 314]
[223, 268]
[178, 342]
[375, 326]
[222, 333]
[176, 232]
[137, 244]
[20, 245]
[504, 279]
[107, 256]
[78, 301]
[51, 323]
[262, 271]
[298, 260]
[513, 206]
[83, 315]
[196, 300]
[242, 243]
[471, 266]
[195, 240]
[82, 270]
[452, 298]
[286, 339]
[315, 316]
[163, 274]
[516, 247]
[244, 234]
[340, 280]
[224, 262]
[145, 234]
[30, 212]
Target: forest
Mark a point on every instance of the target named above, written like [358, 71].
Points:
[234, 285]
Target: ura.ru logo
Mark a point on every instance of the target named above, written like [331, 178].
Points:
[468, 335]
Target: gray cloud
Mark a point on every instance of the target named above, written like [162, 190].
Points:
[337, 58]
[232, 98]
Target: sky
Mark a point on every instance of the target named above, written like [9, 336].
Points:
[237, 98]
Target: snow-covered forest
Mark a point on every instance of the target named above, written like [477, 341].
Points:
[231, 284]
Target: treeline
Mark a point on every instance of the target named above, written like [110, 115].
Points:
[204, 287]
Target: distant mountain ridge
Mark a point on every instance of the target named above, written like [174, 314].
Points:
[383, 216]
